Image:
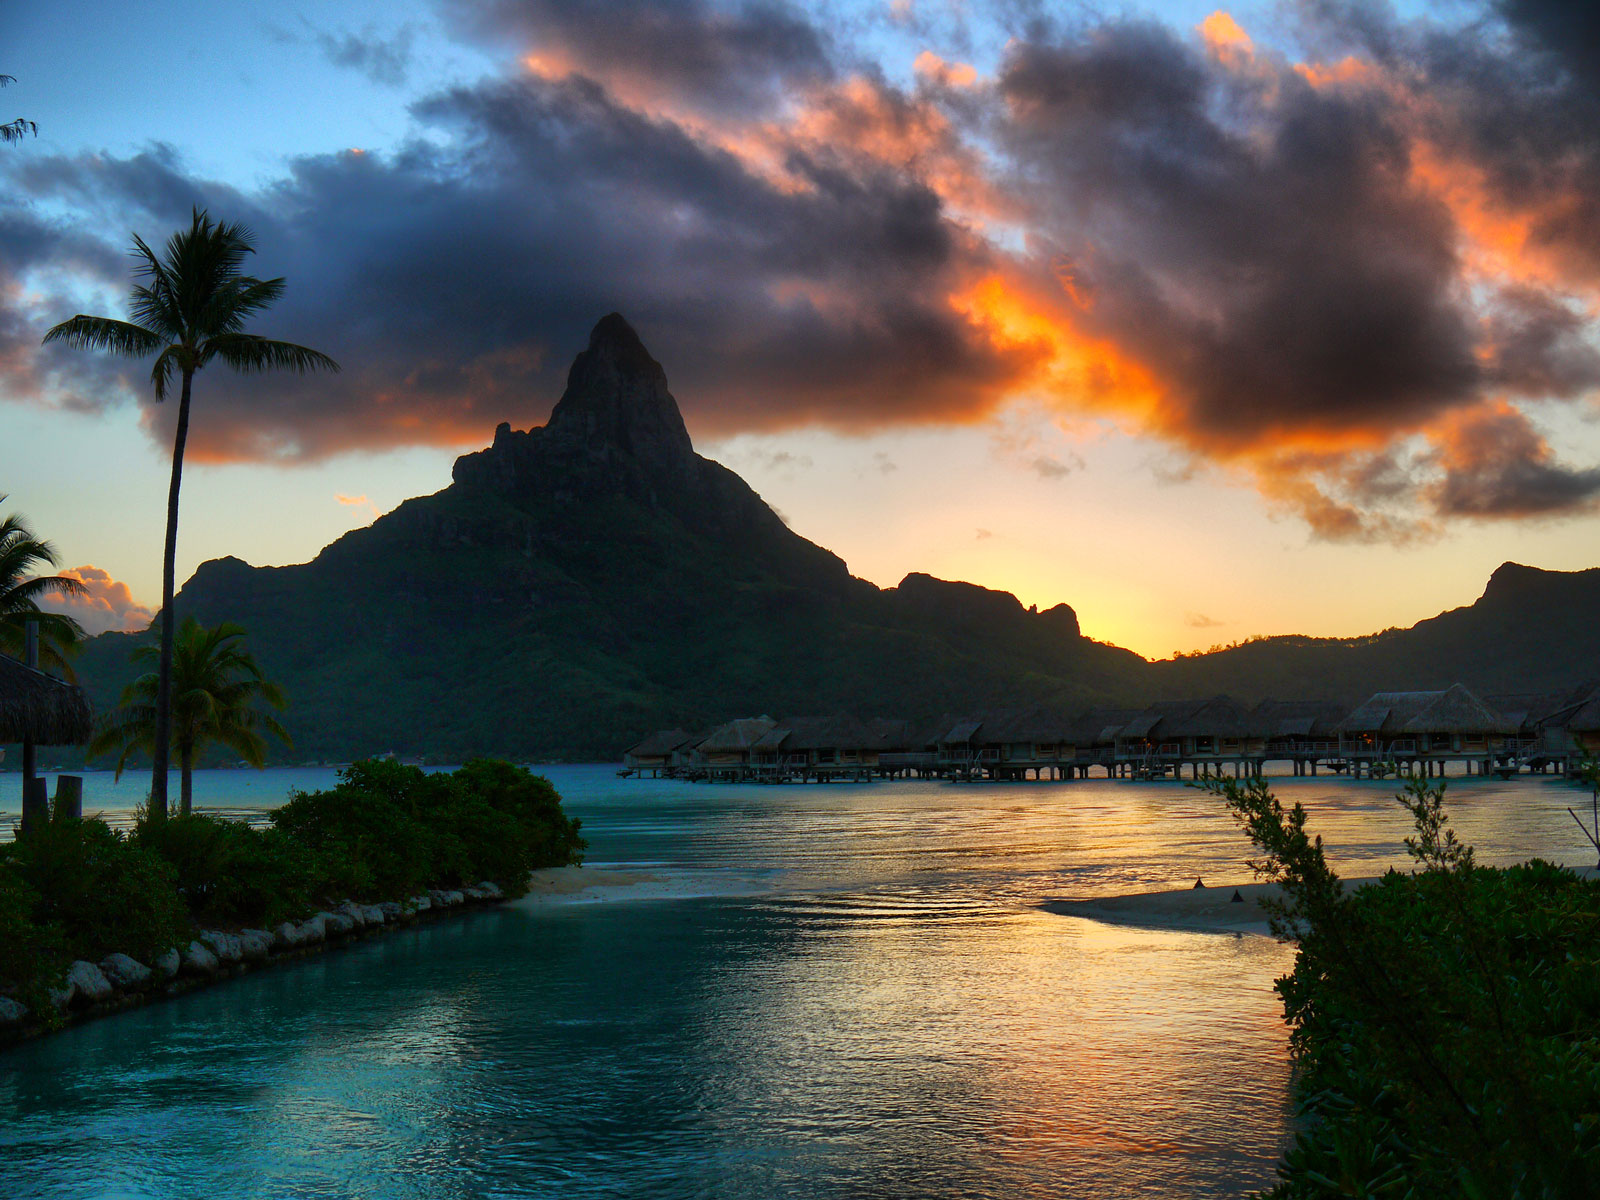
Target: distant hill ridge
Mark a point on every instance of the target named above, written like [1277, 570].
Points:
[581, 583]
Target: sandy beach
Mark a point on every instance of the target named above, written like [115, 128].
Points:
[1202, 909]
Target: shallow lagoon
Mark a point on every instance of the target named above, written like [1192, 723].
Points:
[852, 993]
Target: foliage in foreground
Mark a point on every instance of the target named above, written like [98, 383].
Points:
[1445, 1023]
[218, 694]
[79, 889]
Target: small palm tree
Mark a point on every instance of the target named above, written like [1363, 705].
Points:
[190, 308]
[21, 588]
[217, 690]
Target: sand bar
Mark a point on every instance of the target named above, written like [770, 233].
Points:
[1201, 909]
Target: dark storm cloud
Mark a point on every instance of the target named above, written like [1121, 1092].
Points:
[1497, 465]
[728, 57]
[1279, 271]
[454, 285]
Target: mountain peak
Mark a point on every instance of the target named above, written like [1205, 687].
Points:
[617, 400]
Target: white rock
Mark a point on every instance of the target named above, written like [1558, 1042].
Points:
[475, 893]
[421, 903]
[391, 911]
[198, 960]
[314, 929]
[12, 1012]
[286, 936]
[89, 982]
[126, 974]
[256, 944]
[355, 913]
[62, 997]
[373, 913]
[169, 963]
[493, 889]
[224, 945]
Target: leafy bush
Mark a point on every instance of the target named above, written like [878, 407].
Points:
[231, 874]
[389, 830]
[99, 891]
[30, 952]
[366, 830]
[1445, 1023]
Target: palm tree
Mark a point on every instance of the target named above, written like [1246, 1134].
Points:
[21, 554]
[14, 131]
[190, 308]
[216, 692]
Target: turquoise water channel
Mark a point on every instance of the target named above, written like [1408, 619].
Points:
[841, 991]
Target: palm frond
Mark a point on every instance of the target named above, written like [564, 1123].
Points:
[104, 333]
[251, 354]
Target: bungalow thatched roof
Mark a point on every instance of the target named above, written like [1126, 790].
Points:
[1037, 724]
[838, 732]
[40, 708]
[1099, 726]
[738, 735]
[1455, 710]
[1297, 718]
[663, 741]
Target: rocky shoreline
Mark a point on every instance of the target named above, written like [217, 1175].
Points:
[119, 982]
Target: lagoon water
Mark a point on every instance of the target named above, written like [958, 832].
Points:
[841, 991]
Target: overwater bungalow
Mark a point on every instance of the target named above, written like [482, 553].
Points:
[820, 748]
[724, 753]
[1422, 731]
[658, 754]
[1304, 732]
[1205, 735]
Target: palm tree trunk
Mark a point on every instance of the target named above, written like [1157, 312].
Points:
[169, 560]
[186, 792]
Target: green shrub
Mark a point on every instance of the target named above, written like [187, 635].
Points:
[388, 830]
[30, 952]
[231, 874]
[1445, 1023]
[365, 831]
[102, 892]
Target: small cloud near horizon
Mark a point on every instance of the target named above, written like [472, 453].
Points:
[1196, 620]
[105, 605]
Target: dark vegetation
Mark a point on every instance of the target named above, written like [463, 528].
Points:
[78, 889]
[1445, 1023]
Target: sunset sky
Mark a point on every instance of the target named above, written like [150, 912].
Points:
[1211, 323]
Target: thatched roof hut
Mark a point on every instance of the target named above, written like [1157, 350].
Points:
[736, 737]
[1283, 720]
[39, 708]
[1453, 711]
[838, 732]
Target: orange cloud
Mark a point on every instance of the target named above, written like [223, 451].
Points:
[105, 604]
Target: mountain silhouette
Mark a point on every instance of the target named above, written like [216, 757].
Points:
[581, 583]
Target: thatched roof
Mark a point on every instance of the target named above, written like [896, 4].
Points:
[39, 708]
[1099, 726]
[1220, 716]
[838, 732]
[738, 735]
[1455, 710]
[1037, 724]
[961, 733]
[1297, 718]
[663, 741]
